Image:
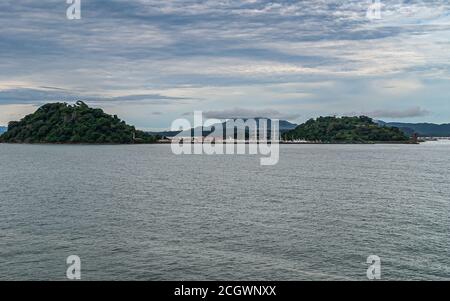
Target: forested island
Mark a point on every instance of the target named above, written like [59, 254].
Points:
[61, 123]
[360, 129]
[73, 124]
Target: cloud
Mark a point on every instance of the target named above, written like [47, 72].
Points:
[14, 112]
[33, 96]
[398, 86]
[137, 98]
[249, 113]
[157, 48]
[52, 94]
[158, 41]
[407, 113]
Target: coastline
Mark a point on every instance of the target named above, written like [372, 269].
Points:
[236, 143]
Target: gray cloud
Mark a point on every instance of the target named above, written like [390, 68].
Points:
[153, 45]
[50, 94]
[139, 97]
[249, 113]
[33, 96]
[407, 113]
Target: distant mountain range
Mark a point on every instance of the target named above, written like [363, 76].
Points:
[284, 126]
[422, 129]
[3, 129]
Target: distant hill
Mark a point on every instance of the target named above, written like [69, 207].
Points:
[422, 129]
[345, 130]
[63, 123]
[284, 126]
[3, 129]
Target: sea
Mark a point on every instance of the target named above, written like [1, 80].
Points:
[139, 212]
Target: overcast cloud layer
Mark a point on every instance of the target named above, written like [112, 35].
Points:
[151, 61]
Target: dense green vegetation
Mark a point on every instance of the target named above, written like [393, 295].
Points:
[345, 130]
[64, 123]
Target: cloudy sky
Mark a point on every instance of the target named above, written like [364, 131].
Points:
[151, 61]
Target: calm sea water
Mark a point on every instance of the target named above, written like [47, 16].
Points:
[141, 213]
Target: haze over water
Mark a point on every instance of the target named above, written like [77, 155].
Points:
[142, 213]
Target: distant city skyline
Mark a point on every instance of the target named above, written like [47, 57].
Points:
[151, 61]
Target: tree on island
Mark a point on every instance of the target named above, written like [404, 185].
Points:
[64, 123]
[360, 129]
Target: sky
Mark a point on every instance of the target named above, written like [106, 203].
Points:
[152, 61]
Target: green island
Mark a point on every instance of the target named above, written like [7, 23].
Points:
[61, 123]
[360, 129]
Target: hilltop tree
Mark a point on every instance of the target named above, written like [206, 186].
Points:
[345, 130]
[64, 123]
